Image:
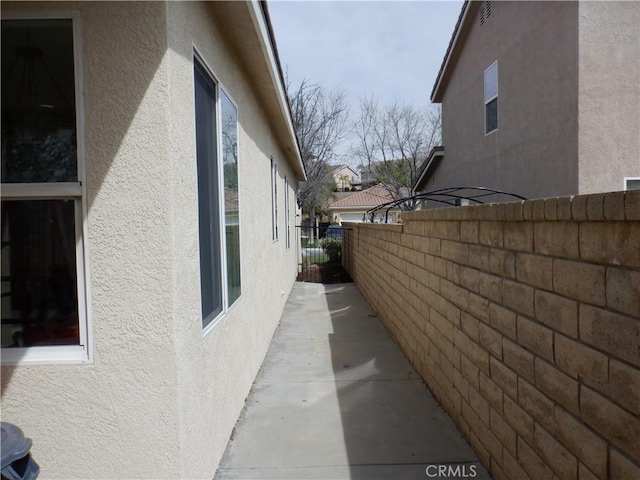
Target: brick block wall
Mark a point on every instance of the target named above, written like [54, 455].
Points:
[523, 319]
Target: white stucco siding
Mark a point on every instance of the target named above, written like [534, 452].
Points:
[117, 417]
[216, 372]
[609, 105]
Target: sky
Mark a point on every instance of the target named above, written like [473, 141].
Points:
[389, 49]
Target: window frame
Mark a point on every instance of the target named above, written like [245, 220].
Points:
[625, 185]
[274, 200]
[76, 191]
[287, 213]
[488, 100]
[223, 90]
[198, 57]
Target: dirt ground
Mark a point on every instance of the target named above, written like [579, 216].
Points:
[324, 273]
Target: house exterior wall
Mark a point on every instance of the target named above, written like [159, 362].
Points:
[345, 178]
[524, 321]
[609, 108]
[160, 399]
[216, 372]
[534, 151]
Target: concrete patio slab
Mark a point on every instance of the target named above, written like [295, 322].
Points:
[336, 399]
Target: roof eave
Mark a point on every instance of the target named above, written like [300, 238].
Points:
[262, 22]
[437, 154]
[454, 44]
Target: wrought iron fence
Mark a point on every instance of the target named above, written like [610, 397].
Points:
[452, 196]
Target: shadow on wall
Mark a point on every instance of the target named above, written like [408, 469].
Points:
[5, 378]
[393, 427]
[120, 58]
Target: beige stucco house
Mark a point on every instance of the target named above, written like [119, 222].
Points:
[540, 99]
[149, 169]
[345, 177]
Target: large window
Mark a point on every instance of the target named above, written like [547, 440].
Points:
[491, 98]
[231, 211]
[44, 314]
[218, 212]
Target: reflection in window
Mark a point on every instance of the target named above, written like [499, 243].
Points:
[491, 98]
[231, 211]
[274, 199]
[217, 160]
[39, 291]
[287, 213]
[38, 102]
[42, 246]
[208, 198]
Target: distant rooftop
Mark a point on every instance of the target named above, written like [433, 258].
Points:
[371, 197]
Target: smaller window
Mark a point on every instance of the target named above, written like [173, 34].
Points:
[274, 199]
[632, 183]
[287, 213]
[491, 99]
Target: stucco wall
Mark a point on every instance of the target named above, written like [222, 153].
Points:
[609, 88]
[118, 416]
[524, 321]
[534, 151]
[160, 400]
[216, 372]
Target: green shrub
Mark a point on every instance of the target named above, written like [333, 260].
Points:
[332, 247]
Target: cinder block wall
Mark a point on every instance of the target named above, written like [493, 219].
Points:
[524, 321]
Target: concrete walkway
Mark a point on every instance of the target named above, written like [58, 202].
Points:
[336, 399]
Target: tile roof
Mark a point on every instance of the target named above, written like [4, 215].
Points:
[371, 197]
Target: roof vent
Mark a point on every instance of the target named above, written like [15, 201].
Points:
[485, 12]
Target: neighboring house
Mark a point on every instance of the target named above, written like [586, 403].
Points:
[345, 177]
[426, 171]
[396, 172]
[540, 99]
[354, 207]
[144, 267]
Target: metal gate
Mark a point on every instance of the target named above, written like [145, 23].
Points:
[320, 254]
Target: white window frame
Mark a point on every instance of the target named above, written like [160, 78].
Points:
[226, 308]
[274, 200]
[221, 88]
[287, 213]
[490, 98]
[625, 185]
[76, 191]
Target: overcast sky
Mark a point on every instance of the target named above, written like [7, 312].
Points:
[390, 49]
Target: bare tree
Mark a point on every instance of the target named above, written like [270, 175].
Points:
[393, 142]
[320, 120]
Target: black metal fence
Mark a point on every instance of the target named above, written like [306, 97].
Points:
[320, 255]
[452, 196]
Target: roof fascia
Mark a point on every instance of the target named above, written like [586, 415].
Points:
[435, 154]
[352, 170]
[454, 45]
[260, 18]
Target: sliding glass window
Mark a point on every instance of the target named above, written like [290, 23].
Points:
[218, 206]
[231, 211]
